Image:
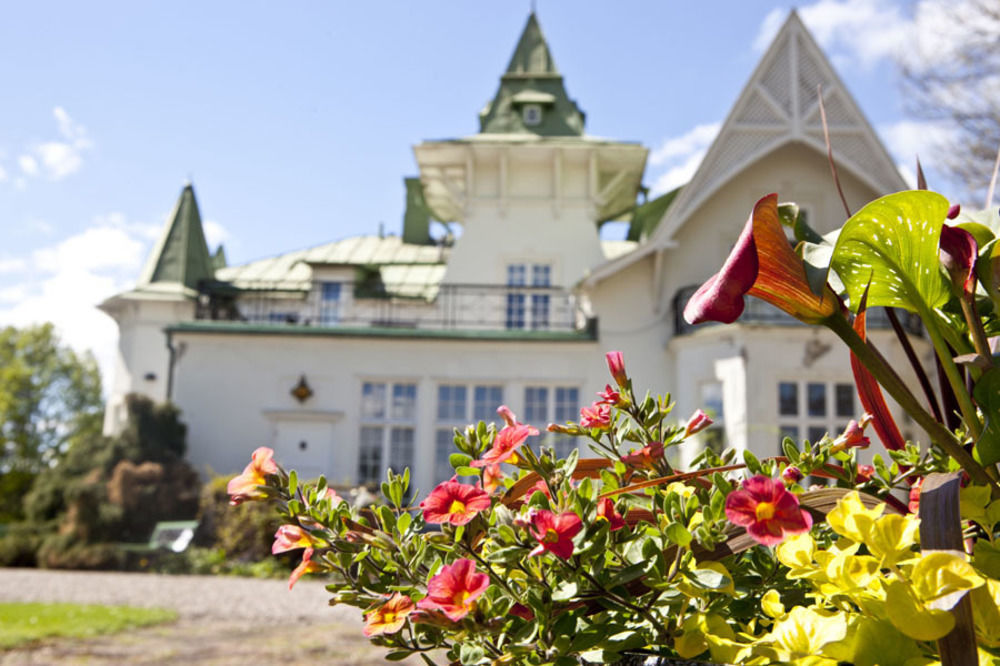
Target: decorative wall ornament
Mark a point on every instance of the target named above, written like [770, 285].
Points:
[302, 391]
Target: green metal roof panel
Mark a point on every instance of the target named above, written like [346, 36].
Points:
[181, 254]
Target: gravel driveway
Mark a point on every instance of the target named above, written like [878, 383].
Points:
[222, 620]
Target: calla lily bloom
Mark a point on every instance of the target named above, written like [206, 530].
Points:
[290, 537]
[455, 503]
[507, 440]
[762, 264]
[454, 589]
[390, 616]
[958, 252]
[245, 486]
[606, 511]
[554, 533]
[698, 422]
[305, 566]
[767, 510]
[597, 415]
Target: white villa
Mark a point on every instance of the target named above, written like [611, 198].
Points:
[366, 352]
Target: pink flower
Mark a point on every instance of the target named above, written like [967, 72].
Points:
[768, 511]
[455, 503]
[597, 415]
[865, 473]
[455, 589]
[646, 457]
[246, 486]
[390, 616]
[290, 537]
[852, 437]
[305, 566]
[507, 440]
[698, 422]
[609, 395]
[606, 511]
[616, 364]
[792, 474]
[492, 476]
[555, 533]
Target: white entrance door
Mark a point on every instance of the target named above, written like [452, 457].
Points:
[307, 447]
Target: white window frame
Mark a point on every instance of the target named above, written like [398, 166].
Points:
[532, 115]
[444, 425]
[392, 425]
[812, 426]
[555, 412]
[529, 308]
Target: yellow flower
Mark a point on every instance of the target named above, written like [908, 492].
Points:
[851, 519]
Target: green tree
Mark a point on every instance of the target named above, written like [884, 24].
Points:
[50, 397]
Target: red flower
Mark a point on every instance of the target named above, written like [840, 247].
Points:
[492, 475]
[606, 511]
[390, 616]
[507, 440]
[455, 589]
[555, 533]
[597, 415]
[762, 264]
[455, 503]
[646, 457]
[768, 511]
[914, 503]
[522, 611]
[609, 395]
[698, 422]
[616, 364]
[290, 537]
[305, 566]
[245, 486]
[865, 473]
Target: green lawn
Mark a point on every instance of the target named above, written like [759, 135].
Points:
[25, 622]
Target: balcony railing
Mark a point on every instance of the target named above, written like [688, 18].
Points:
[442, 307]
[760, 312]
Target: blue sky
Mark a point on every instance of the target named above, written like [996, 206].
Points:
[295, 121]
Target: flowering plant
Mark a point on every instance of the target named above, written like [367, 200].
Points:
[525, 557]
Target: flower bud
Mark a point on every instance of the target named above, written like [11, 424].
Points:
[616, 364]
[792, 474]
[698, 422]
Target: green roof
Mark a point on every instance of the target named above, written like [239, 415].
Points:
[181, 254]
[532, 79]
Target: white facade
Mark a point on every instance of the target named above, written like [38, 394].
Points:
[394, 344]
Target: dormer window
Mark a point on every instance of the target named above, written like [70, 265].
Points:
[532, 114]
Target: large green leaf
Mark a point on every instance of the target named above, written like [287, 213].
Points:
[893, 244]
[987, 394]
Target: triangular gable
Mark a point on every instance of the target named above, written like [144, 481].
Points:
[780, 105]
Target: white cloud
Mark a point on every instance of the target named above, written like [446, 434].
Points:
[63, 282]
[59, 158]
[215, 234]
[677, 158]
[28, 164]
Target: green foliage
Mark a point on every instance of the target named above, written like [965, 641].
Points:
[22, 623]
[50, 399]
[243, 533]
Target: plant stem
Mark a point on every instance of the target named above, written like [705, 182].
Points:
[976, 328]
[954, 378]
[894, 385]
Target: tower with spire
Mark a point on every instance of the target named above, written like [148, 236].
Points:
[165, 294]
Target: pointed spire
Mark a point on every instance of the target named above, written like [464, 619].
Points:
[181, 254]
[532, 98]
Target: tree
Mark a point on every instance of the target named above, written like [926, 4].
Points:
[951, 72]
[50, 397]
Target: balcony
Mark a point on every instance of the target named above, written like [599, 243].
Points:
[445, 307]
[760, 312]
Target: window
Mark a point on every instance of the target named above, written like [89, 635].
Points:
[814, 409]
[532, 114]
[529, 307]
[453, 411]
[545, 404]
[388, 417]
[329, 303]
[714, 436]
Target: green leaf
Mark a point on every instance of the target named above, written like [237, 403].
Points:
[398, 655]
[678, 534]
[466, 471]
[403, 522]
[986, 557]
[987, 395]
[471, 654]
[791, 450]
[892, 243]
[752, 463]
[565, 591]
[293, 482]
[457, 460]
